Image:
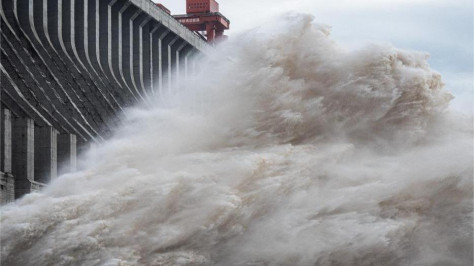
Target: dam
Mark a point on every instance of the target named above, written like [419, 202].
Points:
[68, 70]
[285, 147]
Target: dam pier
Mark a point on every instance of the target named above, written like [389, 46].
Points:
[69, 68]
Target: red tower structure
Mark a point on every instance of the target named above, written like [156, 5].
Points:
[204, 16]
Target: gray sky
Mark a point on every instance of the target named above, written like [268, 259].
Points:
[444, 28]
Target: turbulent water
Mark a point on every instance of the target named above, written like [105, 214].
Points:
[284, 149]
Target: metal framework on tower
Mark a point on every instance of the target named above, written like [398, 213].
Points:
[203, 17]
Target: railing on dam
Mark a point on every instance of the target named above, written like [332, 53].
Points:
[69, 68]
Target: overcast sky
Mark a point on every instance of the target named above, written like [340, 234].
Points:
[444, 28]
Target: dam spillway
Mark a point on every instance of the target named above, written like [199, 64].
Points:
[69, 69]
[284, 148]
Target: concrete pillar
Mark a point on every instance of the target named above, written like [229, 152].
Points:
[23, 155]
[126, 13]
[190, 65]
[79, 35]
[138, 46]
[181, 53]
[133, 50]
[186, 67]
[162, 52]
[53, 12]
[155, 50]
[168, 59]
[172, 61]
[46, 167]
[90, 34]
[7, 183]
[102, 35]
[145, 55]
[66, 153]
[114, 43]
[64, 24]
[6, 156]
[36, 17]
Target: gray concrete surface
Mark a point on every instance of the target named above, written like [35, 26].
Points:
[68, 69]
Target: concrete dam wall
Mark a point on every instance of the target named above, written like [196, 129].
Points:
[68, 69]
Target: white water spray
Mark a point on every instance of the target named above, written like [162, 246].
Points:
[297, 153]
